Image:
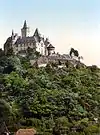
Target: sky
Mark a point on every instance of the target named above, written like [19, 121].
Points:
[67, 23]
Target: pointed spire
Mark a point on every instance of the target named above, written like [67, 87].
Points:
[25, 24]
[12, 35]
[12, 32]
[24, 30]
[36, 33]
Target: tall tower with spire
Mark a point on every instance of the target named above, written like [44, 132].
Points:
[24, 30]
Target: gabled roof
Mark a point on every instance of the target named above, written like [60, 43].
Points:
[25, 40]
[37, 35]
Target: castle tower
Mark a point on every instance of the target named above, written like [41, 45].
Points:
[24, 30]
[12, 35]
[51, 49]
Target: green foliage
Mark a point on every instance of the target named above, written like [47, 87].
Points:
[61, 100]
[92, 129]
[32, 54]
[9, 64]
[10, 52]
[5, 110]
[15, 84]
[62, 125]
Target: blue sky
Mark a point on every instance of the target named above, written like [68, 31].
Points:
[67, 23]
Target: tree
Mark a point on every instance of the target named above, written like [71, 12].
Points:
[67, 97]
[5, 112]
[1, 53]
[9, 64]
[75, 52]
[10, 52]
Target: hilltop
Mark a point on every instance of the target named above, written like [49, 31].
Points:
[51, 99]
[56, 94]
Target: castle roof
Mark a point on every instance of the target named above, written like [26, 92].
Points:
[50, 46]
[37, 35]
[25, 40]
[25, 25]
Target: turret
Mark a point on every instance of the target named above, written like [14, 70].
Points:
[24, 30]
[12, 33]
[51, 49]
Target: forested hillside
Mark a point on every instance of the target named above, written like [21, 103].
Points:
[53, 100]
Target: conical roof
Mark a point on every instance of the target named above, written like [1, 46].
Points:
[50, 46]
[25, 24]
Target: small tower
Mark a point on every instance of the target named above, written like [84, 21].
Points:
[24, 30]
[12, 35]
[51, 49]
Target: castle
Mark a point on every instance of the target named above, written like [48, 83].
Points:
[20, 44]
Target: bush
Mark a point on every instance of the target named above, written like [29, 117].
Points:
[77, 133]
[92, 129]
[61, 126]
[34, 122]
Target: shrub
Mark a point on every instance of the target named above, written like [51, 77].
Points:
[92, 129]
[61, 126]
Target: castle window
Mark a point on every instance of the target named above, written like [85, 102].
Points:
[42, 52]
[28, 44]
[16, 49]
[42, 45]
[19, 45]
[22, 45]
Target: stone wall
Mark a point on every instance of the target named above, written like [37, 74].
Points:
[62, 59]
